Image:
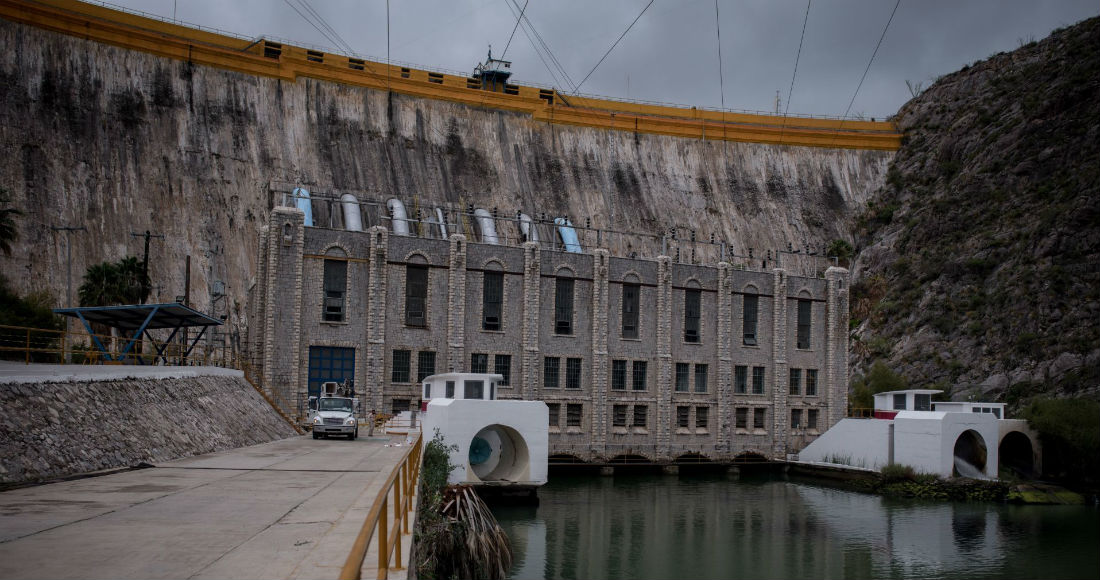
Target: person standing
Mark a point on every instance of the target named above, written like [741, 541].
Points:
[370, 423]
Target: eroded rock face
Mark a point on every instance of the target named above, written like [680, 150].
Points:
[120, 142]
[980, 263]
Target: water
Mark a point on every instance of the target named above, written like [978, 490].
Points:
[714, 527]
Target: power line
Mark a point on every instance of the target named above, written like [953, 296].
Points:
[721, 81]
[321, 19]
[797, 57]
[518, 20]
[576, 90]
[540, 46]
[860, 85]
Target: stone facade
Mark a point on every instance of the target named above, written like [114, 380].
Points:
[77, 425]
[678, 387]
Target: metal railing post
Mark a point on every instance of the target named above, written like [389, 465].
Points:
[383, 543]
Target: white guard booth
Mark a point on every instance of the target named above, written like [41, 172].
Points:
[500, 443]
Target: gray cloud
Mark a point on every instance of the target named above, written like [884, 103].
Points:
[671, 53]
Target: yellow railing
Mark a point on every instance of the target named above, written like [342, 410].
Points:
[54, 346]
[402, 485]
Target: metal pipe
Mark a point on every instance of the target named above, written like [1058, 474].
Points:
[399, 219]
[353, 221]
[530, 232]
[486, 226]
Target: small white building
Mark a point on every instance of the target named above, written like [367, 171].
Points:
[943, 438]
[503, 443]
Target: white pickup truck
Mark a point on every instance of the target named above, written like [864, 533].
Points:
[334, 412]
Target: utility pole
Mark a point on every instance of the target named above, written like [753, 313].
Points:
[68, 277]
[145, 261]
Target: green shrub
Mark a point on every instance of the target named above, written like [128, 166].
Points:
[1069, 430]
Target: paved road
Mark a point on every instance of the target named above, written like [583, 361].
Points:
[286, 509]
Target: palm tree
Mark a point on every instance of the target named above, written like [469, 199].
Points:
[101, 286]
[133, 281]
[8, 233]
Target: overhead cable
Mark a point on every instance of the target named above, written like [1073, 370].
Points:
[613, 46]
[797, 57]
[860, 85]
[510, 36]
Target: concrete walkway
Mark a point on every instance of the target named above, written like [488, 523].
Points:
[286, 509]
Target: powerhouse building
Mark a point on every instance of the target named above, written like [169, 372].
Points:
[635, 357]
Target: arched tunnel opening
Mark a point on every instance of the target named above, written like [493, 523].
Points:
[499, 453]
[970, 455]
[1017, 455]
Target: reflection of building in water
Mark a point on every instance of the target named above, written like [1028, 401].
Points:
[908, 539]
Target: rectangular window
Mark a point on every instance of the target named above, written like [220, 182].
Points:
[741, 418]
[450, 389]
[691, 315]
[795, 381]
[473, 389]
[758, 380]
[639, 379]
[922, 402]
[551, 365]
[336, 283]
[758, 417]
[400, 371]
[811, 419]
[740, 379]
[899, 402]
[796, 418]
[416, 295]
[630, 310]
[700, 378]
[618, 416]
[563, 306]
[641, 418]
[618, 375]
[573, 414]
[572, 373]
[502, 365]
[682, 372]
[400, 405]
[492, 296]
[479, 363]
[804, 324]
[555, 411]
[701, 417]
[425, 364]
[748, 319]
[682, 416]
[811, 382]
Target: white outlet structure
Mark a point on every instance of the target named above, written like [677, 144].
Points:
[498, 442]
[944, 438]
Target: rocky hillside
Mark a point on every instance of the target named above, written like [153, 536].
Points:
[121, 141]
[979, 268]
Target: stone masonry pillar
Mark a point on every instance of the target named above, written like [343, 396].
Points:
[725, 362]
[778, 382]
[836, 346]
[376, 316]
[600, 291]
[456, 303]
[282, 316]
[663, 384]
[532, 282]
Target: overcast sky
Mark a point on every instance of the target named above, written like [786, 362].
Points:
[671, 53]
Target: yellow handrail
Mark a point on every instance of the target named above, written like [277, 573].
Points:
[402, 482]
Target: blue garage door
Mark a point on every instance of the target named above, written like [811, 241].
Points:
[330, 363]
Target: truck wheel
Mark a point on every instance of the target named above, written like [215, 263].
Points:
[316, 435]
[354, 435]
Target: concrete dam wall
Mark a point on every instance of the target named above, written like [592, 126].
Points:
[120, 141]
[76, 423]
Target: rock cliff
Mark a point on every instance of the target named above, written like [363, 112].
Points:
[980, 271]
[121, 141]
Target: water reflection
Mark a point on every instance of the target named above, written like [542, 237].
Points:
[684, 527]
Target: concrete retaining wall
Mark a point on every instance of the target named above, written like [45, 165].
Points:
[58, 424]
